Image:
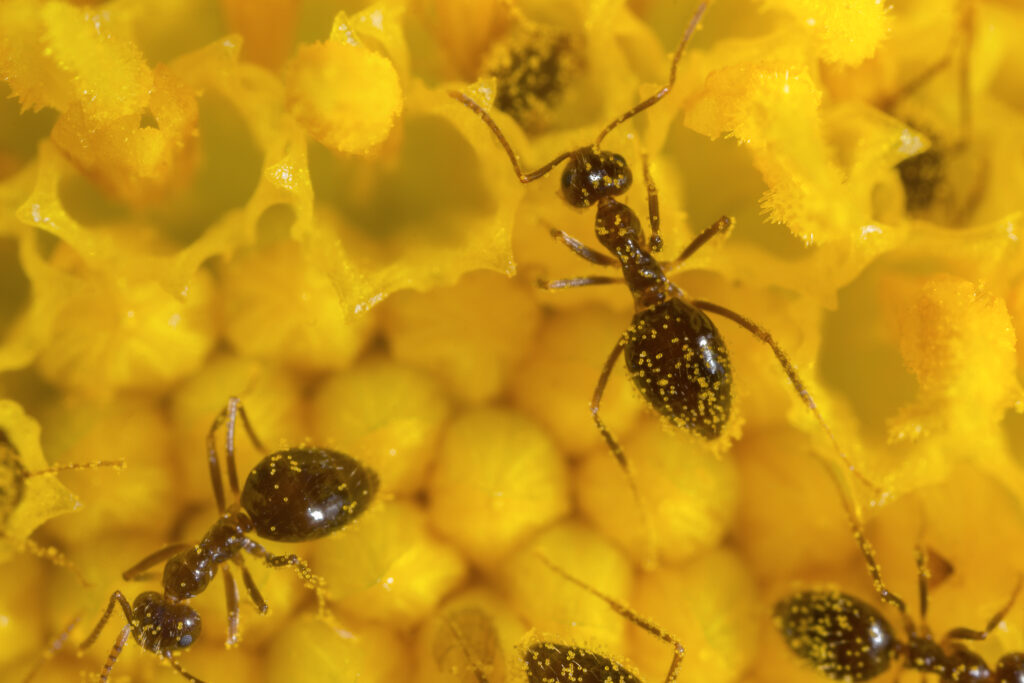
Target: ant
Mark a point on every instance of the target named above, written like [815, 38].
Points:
[545, 661]
[847, 639]
[674, 353]
[13, 476]
[293, 495]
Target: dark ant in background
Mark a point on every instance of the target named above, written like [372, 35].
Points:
[674, 353]
[13, 475]
[849, 640]
[547, 661]
[931, 188]
[293, 495]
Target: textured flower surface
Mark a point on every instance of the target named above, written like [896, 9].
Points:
[279, 201]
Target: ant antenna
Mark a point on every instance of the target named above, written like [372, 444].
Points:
[653, 99]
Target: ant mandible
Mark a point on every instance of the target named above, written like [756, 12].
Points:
[674, 353]
[293, 495]
[546, 661]
[846, 639]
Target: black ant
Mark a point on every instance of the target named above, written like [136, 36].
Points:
[546, 661]
[674, 353]
[847, 639]
[13, 476]
[294, 495]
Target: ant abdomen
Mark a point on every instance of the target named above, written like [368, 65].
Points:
[302, 494]
[591, 175]
[845, 638]
[677, 359]
[163, 625]
[547, 661]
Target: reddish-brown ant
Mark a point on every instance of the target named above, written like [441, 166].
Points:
[298, 494]
[546, 661]
[13, 476]
[674, 353]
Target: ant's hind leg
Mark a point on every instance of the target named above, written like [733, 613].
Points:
[970, 634]
[627, 613]
[794, 379]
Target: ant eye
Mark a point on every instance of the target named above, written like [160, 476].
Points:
[185, 640]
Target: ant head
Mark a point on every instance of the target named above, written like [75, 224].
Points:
[592, 175]
[164, 625]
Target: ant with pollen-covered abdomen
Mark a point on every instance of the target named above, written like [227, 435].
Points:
[674, 353]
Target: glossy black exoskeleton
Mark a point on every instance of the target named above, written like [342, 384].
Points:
[674, 353]
[293, 495]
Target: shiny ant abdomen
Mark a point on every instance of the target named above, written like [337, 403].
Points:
[297, 494]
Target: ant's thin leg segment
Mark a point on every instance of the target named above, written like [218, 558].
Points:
[613, 445]
[523, 177]
[460, 638]
[235, 409]
[116, 598]
[231, 595]
[653, 211]
[214, 460]
[177, 667]
[250, 586]
[653, 99]
[133, 572]
[582, 250]
[970, 634]
[719, 227]
[578, 282]
[791, 373]
[52, 649]
[629, 614]
[312, 581]
[115, 652]
[68, 467]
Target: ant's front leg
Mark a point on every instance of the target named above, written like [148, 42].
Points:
[719, 227]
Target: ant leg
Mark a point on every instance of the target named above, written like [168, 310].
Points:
[115, 652]
[133, 573]
[653, 99]
[582, 250]
[117, 598]
[523, 177]
[460, 638]
[301, 567]
[68, 467]
[177, 667]
[577, 282]
[653, 211]
[231, 594]
[620, 457]
[54, 647]
[970, 634]
[213, 460]
[234, 409]
[791, 373]
[622, 610]
[250, 586]
[721, 226]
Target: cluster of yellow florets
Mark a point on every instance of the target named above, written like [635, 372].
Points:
[279, 201]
